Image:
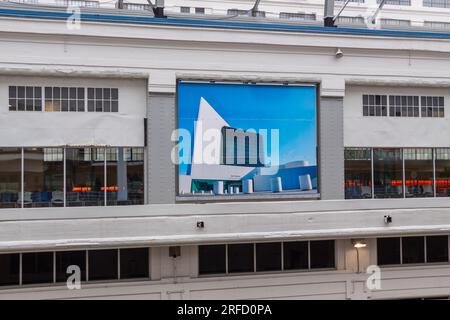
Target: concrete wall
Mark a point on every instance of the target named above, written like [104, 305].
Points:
[161, 169]
[360, 131]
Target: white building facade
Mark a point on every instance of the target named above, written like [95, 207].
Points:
[87, 178]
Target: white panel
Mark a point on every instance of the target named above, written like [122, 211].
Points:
[360, 131]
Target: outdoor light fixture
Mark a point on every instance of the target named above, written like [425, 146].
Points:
[359, 243]
[339, 53]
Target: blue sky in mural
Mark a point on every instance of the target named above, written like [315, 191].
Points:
[290, 109]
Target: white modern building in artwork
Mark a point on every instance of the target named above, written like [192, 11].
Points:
[89, 111]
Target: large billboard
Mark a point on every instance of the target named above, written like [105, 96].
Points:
[236, 140]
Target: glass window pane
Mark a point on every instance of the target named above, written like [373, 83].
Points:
[21, 92]
[437, 249]
[70, 258]
[388, 251]
[134, 263]
[419, 172]
[103, 265]
[114, 106]
[80, 93]
[322, 254]
[413, 249]
[65, 93]
[85, 176]
[388, 173]
[115, 94]
[12, 92]
[358, 176]
[295, 255]
[240, 258]
[268, 256]
[9, 269]
[43, 177]
[211, 259]
[91, 93]
[12, 104]
[37, 267]
[125, 172]
[10, 177]
[442, 172]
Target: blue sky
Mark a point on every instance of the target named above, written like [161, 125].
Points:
[290, 109]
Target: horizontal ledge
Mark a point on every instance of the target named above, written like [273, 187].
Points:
[222, 208]
[195, 239]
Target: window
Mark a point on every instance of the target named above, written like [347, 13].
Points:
[37, 267]
[322, 254]
[388, 251]
[103, 265]
[10, 177]
[396, 22]
[404, 106]
[436, 24]
[85, 177]
[44, 177]
[388, 173]
[442, 165]
[413, 250]
[374, 105]
[212, 259]
[432, 107]
[437, 249]
[136, 6]
[436, 3]
[419, 172]
[358, 173]
[185, 10]
[103, 100]
[237, 12]
[134, 263]
[240, 258]
[125, 176]
[9, 269]
[350, 20]
[199, 10]
[64, 259]
[64, 99]
[268, 256]
[397, 2]
[298, 16]
[295, 255]
[22, 98]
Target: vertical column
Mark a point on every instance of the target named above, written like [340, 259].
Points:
[331, 138]
[161, 114]
[122, 194]
[331, 148]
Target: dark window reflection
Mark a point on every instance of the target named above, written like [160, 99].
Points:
[388, 251]
[125, 176]
[37, 267]
[10, 177]
[240, 258]
[103, 265]
[419, 172]
[43, 177]
[443, 172]
[388, 173]
[358, 173]
[413, 249]
[322, 254]
[85, 176]
[268, 256]
[70, 258]
[437, 249]
[134, 263]
[212, 259]
[295, 255]
[9, 269]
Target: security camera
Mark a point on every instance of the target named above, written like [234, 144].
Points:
[387, 219]
[339, 53]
